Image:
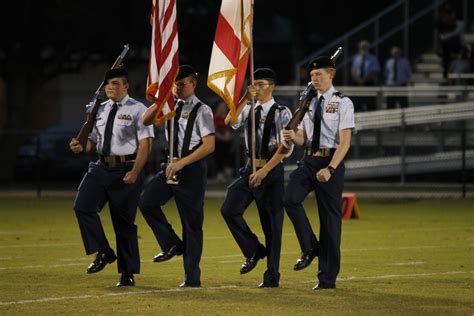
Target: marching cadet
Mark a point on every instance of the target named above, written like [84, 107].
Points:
[325, 132]
[184, 177]
[123, 144]
[266, 186]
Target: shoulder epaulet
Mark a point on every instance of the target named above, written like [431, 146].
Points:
[131, 100]
[339, 94]
[280, 107]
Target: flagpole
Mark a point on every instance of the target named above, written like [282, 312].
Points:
[171, 145]
[171, 140]
[252, 101]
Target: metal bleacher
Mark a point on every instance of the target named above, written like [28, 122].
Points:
[413, 164]
[414, 115]
[410, 128]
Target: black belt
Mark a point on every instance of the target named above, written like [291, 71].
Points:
[321, 152]
[112, 161]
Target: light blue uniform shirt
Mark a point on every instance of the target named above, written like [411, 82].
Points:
[371, 64]
[203, 126]
[338, 114]
[128, 129]
[285, 116]
[403, 72]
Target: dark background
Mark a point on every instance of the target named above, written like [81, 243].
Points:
[43, 40]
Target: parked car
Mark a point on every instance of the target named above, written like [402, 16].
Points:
[47, 155]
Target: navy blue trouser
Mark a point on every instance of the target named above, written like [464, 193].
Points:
[100, 185]
[269, 199]
[189, 198]
[329, 200]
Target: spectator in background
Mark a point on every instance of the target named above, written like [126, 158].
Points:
[222, 159]
[365, 71]
[461, 64]
[450, 31]
[397, 74]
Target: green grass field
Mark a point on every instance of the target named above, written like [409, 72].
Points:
[407, 257]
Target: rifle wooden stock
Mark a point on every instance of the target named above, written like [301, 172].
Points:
[86, 128]
[93, 106]
[303, 107]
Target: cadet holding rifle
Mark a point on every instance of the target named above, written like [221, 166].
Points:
[325, 132]
[123, 144]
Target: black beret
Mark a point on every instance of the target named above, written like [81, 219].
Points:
[321, 62]
[264, 74]
[185, 71]
[114, 73]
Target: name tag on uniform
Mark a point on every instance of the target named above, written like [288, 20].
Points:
[332, 107]
[127, 117]
[185, 115]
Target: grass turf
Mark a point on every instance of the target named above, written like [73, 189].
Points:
[410, 257]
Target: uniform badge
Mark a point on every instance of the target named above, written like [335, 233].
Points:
[262, 120]
[126, 117]
[185, 115]
[332, 107]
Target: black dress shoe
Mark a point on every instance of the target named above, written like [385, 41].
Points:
[190, 284]
[175, 250]
[268, 284]
[322, 286]
[305, 259]
[101, 260]
[126, 280]
[251, 262]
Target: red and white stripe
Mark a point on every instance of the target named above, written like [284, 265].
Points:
[163, 65]
[231, 51]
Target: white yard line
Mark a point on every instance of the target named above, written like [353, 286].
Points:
[395, 276]
[391, 276]
[39, 266]
[39, 245]
[409, 263]
[62, 298]
[231, 261]
[352, 278]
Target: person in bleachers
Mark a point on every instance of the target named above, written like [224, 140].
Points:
[365, 71]
[450, 31]
[397, 74]
[459, 65]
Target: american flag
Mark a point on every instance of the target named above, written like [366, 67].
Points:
[231, 51]
[163, 65]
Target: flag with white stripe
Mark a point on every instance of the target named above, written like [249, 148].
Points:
[231, 51]
[163, 64]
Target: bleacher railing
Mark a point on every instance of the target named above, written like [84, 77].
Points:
[417, 95]
[448, 127]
